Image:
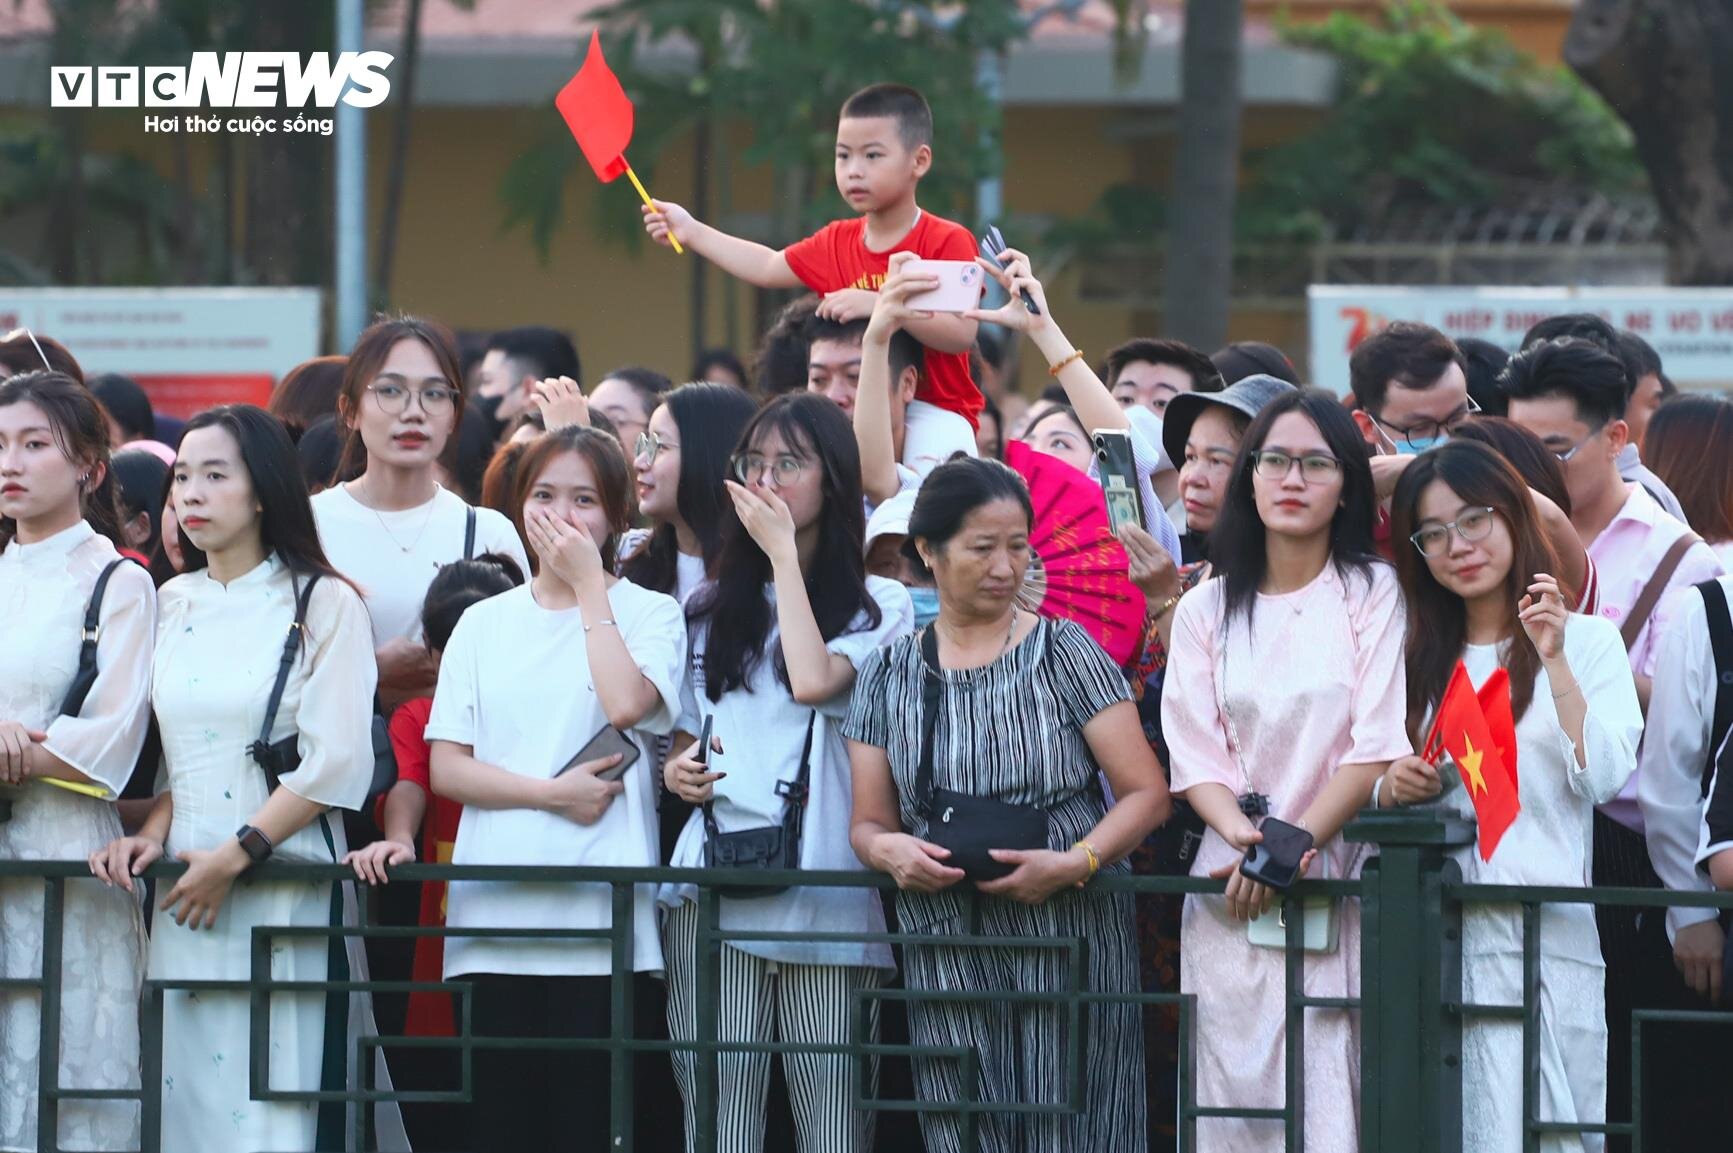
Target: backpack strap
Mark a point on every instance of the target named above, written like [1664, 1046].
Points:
[291, 647]
[1651, 594]
[85, 676]
[469, 533]
[932, 700]
[1721, 645]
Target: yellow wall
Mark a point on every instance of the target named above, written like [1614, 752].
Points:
[1536, 26]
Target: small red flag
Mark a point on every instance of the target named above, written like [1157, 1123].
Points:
[599, 114]
[1461, 729]
[1495, 703]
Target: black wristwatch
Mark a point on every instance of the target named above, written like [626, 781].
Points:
[254, 843]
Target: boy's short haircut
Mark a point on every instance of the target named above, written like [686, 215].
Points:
[1572, 367]
[897, 102]
[1205, 377]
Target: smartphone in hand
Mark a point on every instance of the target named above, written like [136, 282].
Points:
[1118, 468]
[960, 285]
[1275, 861]
[609, 742]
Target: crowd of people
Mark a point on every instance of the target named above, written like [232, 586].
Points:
[449, 604]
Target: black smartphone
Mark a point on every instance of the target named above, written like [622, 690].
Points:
[1118, 467]
[1275, 861]
[702, 756]
[993, 244]
[607, 743]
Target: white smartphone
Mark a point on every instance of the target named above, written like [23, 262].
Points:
[960, 285]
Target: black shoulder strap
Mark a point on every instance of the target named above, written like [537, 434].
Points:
[932, 700]
[291, 647]
[469, 533]
[85, 676]
[793, 793]
[1721, 645]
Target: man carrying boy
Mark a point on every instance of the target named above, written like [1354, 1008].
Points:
[883, 148]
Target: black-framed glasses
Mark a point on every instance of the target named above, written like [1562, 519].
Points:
[782, 471]
[1473, 525]
[648, 445]
[435, 400]
[1315, 467]
[1424, 434]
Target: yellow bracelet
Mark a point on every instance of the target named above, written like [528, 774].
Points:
[1165, 606]
[1055, 370]
[1094, 861]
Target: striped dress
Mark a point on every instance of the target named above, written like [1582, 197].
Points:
[1013, 731]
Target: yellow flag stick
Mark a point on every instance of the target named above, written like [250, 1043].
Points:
[88, 790]
[639, 185]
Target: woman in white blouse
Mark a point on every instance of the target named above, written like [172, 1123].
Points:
[1475, 569]
[776, 640]
[390, 528]
[251, 554]
[58, 525]
[529, 678]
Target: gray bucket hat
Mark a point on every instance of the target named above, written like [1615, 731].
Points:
[1248, 396]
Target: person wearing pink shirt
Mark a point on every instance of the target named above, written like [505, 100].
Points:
[1572, 394]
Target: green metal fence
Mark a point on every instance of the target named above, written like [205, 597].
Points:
[1411, 1007]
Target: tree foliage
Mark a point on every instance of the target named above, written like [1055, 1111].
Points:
[783, 69]
[1429, 111]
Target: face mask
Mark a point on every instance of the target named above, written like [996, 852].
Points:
[926, 605]
[1409, 448]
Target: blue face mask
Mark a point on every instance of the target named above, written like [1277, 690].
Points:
[926, 605]
[1410, 448]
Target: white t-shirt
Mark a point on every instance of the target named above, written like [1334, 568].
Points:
[762, 729]
[932, 435]
[514, 684]
[393, 556]
[688, 570]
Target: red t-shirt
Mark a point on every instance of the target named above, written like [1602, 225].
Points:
[430, 1014]
[836, 257]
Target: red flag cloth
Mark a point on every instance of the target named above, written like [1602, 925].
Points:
[1501, 719]
[1461, 729]
[599, 114]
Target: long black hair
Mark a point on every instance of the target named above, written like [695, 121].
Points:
[286, 525]
[735, 605]
[140, 477]
[710, 418]
[80, 431]
[1238, 542]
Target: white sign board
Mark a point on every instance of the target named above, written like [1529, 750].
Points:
[1692, 328]
[190, 348]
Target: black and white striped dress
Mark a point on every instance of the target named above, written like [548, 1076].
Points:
[1013, 731]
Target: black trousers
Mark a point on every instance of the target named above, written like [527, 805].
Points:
[533, 1100]
[1686, 1078]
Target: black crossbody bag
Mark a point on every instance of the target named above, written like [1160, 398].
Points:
[768, 846]
[967, 825]
[84, 679]
[284, 756]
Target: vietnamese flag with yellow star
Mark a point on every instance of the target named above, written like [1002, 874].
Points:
[1461, 729]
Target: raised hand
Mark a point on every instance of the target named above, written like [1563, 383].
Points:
[562, 403]
[1543, 614]
[668, 219]
[1015, 277]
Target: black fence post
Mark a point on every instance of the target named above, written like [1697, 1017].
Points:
[1410, 982]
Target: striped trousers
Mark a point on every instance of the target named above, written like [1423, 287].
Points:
[760, 1001]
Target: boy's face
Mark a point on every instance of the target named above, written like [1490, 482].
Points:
[874, 168]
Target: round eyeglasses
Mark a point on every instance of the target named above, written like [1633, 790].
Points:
[781, 471]
[1434, 539]
[435, 400]
[1315, 468]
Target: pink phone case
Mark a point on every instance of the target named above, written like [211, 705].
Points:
[960, 285]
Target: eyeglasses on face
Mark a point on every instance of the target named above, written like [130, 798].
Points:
[781, 471]
[1423, 433]
[1315, 468]
[648, 445]
[1568, 454]
[435, 400]
[1434, 539]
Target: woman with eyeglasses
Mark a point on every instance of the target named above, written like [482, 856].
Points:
[1476, 571]
[389, 530]
[777, 636]
[1284, 699]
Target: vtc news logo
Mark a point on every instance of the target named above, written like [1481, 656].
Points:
[230, 80]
